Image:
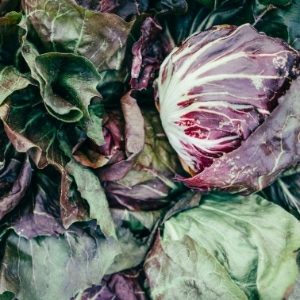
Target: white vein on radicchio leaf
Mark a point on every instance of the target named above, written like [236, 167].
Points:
[218, 87]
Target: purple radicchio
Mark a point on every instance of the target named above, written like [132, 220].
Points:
[221, 94]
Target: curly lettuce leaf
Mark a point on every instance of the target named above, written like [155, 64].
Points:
[22, 123]
[68, 84]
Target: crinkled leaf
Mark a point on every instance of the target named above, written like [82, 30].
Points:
[149, 51]
[63, 26]
[131, 135]
[70, 82]
[230, 247]
[22, 122]
[51, 268]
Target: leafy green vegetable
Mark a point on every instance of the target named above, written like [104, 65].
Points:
[229, 247]
[87, 172]
[65, 27]
[55, 267]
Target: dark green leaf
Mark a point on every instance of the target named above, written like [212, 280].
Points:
[55, 268]
[64, 26]
[282, 21]
[69, 82]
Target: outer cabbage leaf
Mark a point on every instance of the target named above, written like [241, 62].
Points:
[230, 247]
[45, 268]
[63, 26]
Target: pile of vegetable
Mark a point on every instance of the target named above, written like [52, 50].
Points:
[149, 149]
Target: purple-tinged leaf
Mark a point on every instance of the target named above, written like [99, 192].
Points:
[12, 198]
[149, 183]
[270, 150]
[129, 138]
[206, 114]
[124, 9]
[124, 285]
[22, 121]
[39, 213]
[149, 51]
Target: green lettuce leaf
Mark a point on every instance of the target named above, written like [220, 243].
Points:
[69, 82]
[229, 247]
[63, 26]
[22, 123]
[55, 268]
